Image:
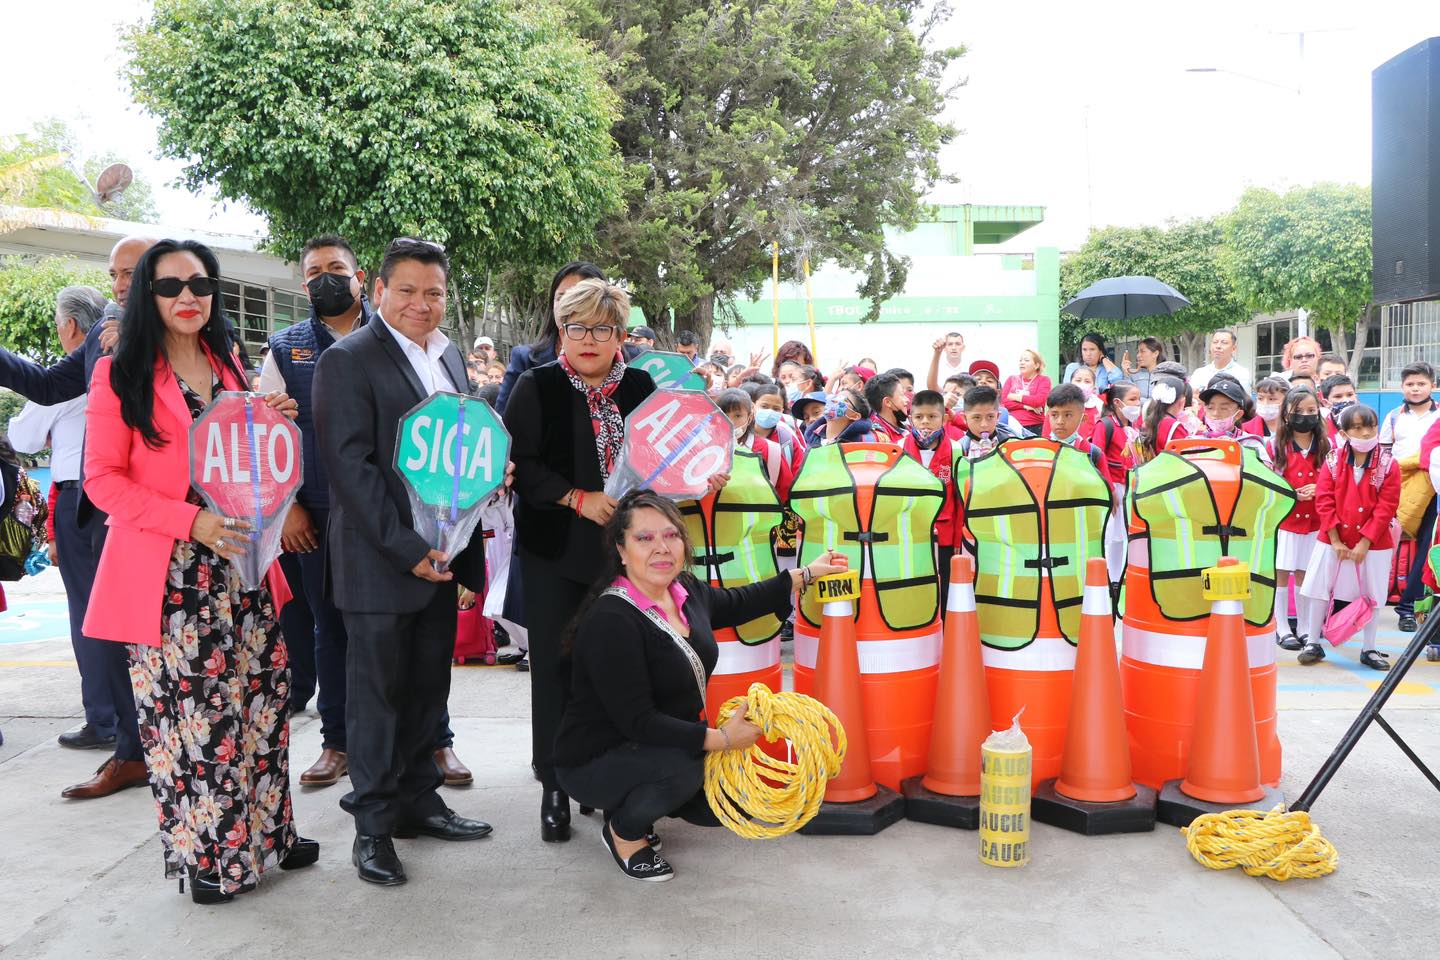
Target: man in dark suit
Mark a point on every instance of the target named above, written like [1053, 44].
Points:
[66, 380]
[398, 608]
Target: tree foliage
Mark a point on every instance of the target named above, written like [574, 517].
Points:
[1308, 247]
[482, 124]
[27, 301]
[809, 122]
[37, 170]
[1185, 255]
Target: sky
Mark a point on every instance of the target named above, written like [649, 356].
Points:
[1084, 108]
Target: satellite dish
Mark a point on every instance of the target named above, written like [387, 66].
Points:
[113, 181]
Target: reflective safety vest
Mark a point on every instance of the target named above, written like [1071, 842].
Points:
[1173, 498]
[1017, 545]
[894, 546]
[732, 533]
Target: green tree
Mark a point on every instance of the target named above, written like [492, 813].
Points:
[813, 123]
[38, 169]
[1308, 247]
[482, 124]
[1185, 255]
[27, 301]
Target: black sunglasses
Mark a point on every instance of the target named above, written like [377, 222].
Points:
[171, 286]
[401, 243]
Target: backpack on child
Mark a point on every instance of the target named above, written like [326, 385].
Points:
[22, 531]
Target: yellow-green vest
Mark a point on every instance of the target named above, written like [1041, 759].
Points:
[895, 544]
[1172, 497]
[1013, 553]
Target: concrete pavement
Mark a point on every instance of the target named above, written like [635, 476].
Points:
[83, 879]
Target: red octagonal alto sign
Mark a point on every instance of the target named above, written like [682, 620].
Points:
[675, 441]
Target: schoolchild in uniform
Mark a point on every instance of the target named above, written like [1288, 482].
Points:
[1356, 497]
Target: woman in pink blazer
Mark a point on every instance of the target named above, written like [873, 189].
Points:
[207, 661]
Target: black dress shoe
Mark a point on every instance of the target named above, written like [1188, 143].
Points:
[1408, 623]
[205, 889]
[554, 816]
[86, 737]
[376, 860]
[303, 853]
[444, 826]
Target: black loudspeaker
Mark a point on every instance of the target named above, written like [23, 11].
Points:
[1405, 175]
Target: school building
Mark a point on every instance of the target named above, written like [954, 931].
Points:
[1001, 302]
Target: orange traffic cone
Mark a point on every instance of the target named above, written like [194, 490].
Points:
[949, 793]
[854, 803]
[1094, 793]
[1223, 771]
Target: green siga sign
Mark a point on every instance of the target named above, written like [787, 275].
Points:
[670, 371]
[452, 450]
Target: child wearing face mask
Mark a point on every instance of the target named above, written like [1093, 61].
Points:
[1227, 406]
[1269, 399]
[1065, 411]
[1114, 435]
[736, 404]
[1336, 393]
[927, 442]
[1356, 499]
[771, 422]
[1084, 378]
[1299, 449]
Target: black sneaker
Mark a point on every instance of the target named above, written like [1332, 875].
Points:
[1290, 642]
[523, 664]
[1375, 660]
[1313, 653]
[644, 864]
[1408, 623]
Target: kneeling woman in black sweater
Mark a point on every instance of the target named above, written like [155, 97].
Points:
[633, 738]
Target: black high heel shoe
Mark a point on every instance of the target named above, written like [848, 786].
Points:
[303, 853]
[205, 889]
[554, 816]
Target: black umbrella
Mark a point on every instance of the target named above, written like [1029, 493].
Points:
[1120, 298]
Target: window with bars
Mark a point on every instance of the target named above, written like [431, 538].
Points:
[1411, 332]
[1369, 373]
[260, 311]
[1270, 339]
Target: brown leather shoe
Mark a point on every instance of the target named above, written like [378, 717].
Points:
[456, 773]
[327, 770]
[113, 776]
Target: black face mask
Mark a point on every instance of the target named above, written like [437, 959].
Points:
[330, 294]
[1305, 422]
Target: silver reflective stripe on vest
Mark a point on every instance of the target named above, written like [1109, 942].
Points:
[879, 656]
[737, 657]
[1041, 655]
[1188, 653]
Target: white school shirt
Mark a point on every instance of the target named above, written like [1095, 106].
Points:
[60, 427]
[425, 361]
[1404, 430]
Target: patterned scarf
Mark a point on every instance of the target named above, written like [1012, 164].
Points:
[605, 418]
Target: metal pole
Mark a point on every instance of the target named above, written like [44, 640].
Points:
[1424, 636]
[775, 294]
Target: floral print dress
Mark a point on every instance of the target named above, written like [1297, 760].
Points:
[213, 702]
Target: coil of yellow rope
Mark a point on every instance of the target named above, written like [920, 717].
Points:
[759, 797]
[1278, 845]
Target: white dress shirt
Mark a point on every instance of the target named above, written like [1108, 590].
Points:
[425, 361]
[61, 428]
[1403, 429]
[1200, 379]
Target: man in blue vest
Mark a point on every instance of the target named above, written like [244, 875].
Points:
[335, 286]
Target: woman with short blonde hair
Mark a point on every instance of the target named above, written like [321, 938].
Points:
[597, 300]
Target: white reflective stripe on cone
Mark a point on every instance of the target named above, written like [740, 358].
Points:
[737, 657]
[838, 608]
[1096, 602]
[1044, 654]
[879, 656]
[961, 598]
[1188, 653]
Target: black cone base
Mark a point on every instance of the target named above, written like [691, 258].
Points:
[1136, 815]
[864, 818]
[1178, 808]
[927, 806]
